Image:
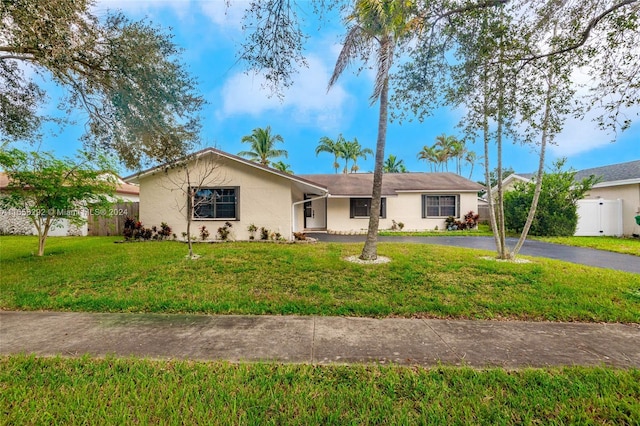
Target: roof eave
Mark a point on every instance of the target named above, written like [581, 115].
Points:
[135, 178]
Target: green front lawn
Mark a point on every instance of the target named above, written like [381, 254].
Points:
[481, 231]
[614, 244]
[130, 391]
[94, 274]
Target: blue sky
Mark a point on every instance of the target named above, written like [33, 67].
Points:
[211, 33]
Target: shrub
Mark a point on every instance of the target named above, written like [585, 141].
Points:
[470, 221]
[299, 236]
[134, 230]
[165, 230]
[204, 233]
[556, 214]
[252, 231]
[224, 231]
[264, 233]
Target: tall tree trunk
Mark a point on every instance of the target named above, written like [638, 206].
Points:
[370, 250]
[487, 168]
[504, 253]
[43, 232]
[190, 200]
[539, 177]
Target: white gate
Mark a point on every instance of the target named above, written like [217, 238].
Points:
[599, 217]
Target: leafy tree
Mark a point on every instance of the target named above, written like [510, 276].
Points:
[46, 189]
[556, 214]
[334, 147]
[263, 143]
[352, 150]
[282, 166]
[139, 101]
[393, 165]
[490, 64]
[504, 96]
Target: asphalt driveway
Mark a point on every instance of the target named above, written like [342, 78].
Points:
[583, 256]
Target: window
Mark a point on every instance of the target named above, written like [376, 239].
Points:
[216, 203]
[361, 207]
[308, 209]
[440, 205]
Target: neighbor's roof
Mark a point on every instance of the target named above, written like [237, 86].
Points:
[360, 184]
[613, 172]
[213, 151]
[122, 187]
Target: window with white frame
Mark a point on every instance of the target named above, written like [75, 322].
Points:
[440, 205]
[361, 207]
[216, 203]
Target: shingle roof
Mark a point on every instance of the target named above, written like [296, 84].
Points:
[214, 151]
[613, 172]
[610, 173]
[360, 184]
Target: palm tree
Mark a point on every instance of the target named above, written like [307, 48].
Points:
[377, 28]
[470, 158]
[352, 150]
[262, 146]
[393, 165]
[448, 149]
[331, 146]
[428, 153]
[282, 166]
[458, 149]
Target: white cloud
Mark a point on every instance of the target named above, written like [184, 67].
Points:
[223, 14]
[583, 134]
[143, 6]
[307, 100]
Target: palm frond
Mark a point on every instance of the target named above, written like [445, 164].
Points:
[353, 43]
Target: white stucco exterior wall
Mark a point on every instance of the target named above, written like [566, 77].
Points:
[265, 200]
[405, 207]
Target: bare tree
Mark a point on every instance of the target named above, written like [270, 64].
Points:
[190, 175]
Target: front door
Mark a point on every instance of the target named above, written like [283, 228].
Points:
[315, 213]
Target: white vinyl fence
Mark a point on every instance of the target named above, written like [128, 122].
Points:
[599, 217]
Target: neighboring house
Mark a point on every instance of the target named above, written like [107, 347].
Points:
[617, 182]
[15, 222]
[246, 193]
[610, 207]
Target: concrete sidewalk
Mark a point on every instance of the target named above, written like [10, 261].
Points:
[321, 340]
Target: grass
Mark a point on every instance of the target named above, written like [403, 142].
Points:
[481, 231]
[614, 244]
[94, 274]
[130, 391]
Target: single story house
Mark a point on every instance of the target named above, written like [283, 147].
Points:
[246, 193]
[611, 206]
[15, 222]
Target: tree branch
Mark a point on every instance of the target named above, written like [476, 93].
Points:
[482, 5]
[585, 34]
